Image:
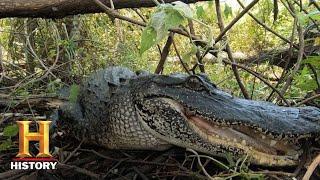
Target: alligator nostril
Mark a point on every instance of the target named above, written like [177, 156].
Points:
[122, 80]
[212, 93]
[280, 152]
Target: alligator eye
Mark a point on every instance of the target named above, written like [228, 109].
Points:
[194, 83]
[122, 80]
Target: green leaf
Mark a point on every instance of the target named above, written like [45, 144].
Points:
[304, 80]
[157, 20]
[200, 12]
[74, 92]
[183, 8]
[6, 145]
[315, 15]
[173, 19]
[313, 60]
[11, 130]
[227, 11]
[148, 39]
[158, 23]
[304, 19]
[210, 4]
[166, 17]
[187, 56]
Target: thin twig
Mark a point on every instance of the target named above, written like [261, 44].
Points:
[314, 71]
[164, 54]
[235, 20]
[200, 164]
[299, 60]
[230, 25]
[13, 173]
[306, 12]
[179, 57]
[308, 99]
[129, 160]
[314, 3]
[229, 52]
[311, 168]
[214, 160]
[287, 6]
[73, 152]
[2, 68]
[279, 173]
[79, 170]
[143, 176]
[266, 27]
[198, 55]
[259, 77]
[11, 115]
[287, 61]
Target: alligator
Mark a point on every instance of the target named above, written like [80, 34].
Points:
[119, 109]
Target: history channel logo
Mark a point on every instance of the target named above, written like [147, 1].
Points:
[24, 159]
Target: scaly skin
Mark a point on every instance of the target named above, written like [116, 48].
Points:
[121, 110]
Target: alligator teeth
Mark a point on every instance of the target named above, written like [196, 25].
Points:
[273, 142]
[243, 142]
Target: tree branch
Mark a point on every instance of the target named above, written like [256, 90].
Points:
[259, 77]
[62, 8]
[231, 24]
[308, 100]
[267, 28]
[164, 54]
[234, 68]
[185, 67]
[299, 59]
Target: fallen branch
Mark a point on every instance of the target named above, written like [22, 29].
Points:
[63, 8]
[311, 168]
[39, 101]
[308, 99]
[79, 170]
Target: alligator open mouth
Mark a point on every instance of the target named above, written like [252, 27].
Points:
[238, 139]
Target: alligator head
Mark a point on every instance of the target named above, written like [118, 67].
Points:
[191, 112]
[156, 111]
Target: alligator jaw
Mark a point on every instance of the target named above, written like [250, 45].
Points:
[261, 152]
[261, 148]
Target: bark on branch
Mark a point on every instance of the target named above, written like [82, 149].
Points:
[62, 8]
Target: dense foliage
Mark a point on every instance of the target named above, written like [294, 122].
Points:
[75, 46]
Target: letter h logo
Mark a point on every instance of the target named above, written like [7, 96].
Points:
[25, 136]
